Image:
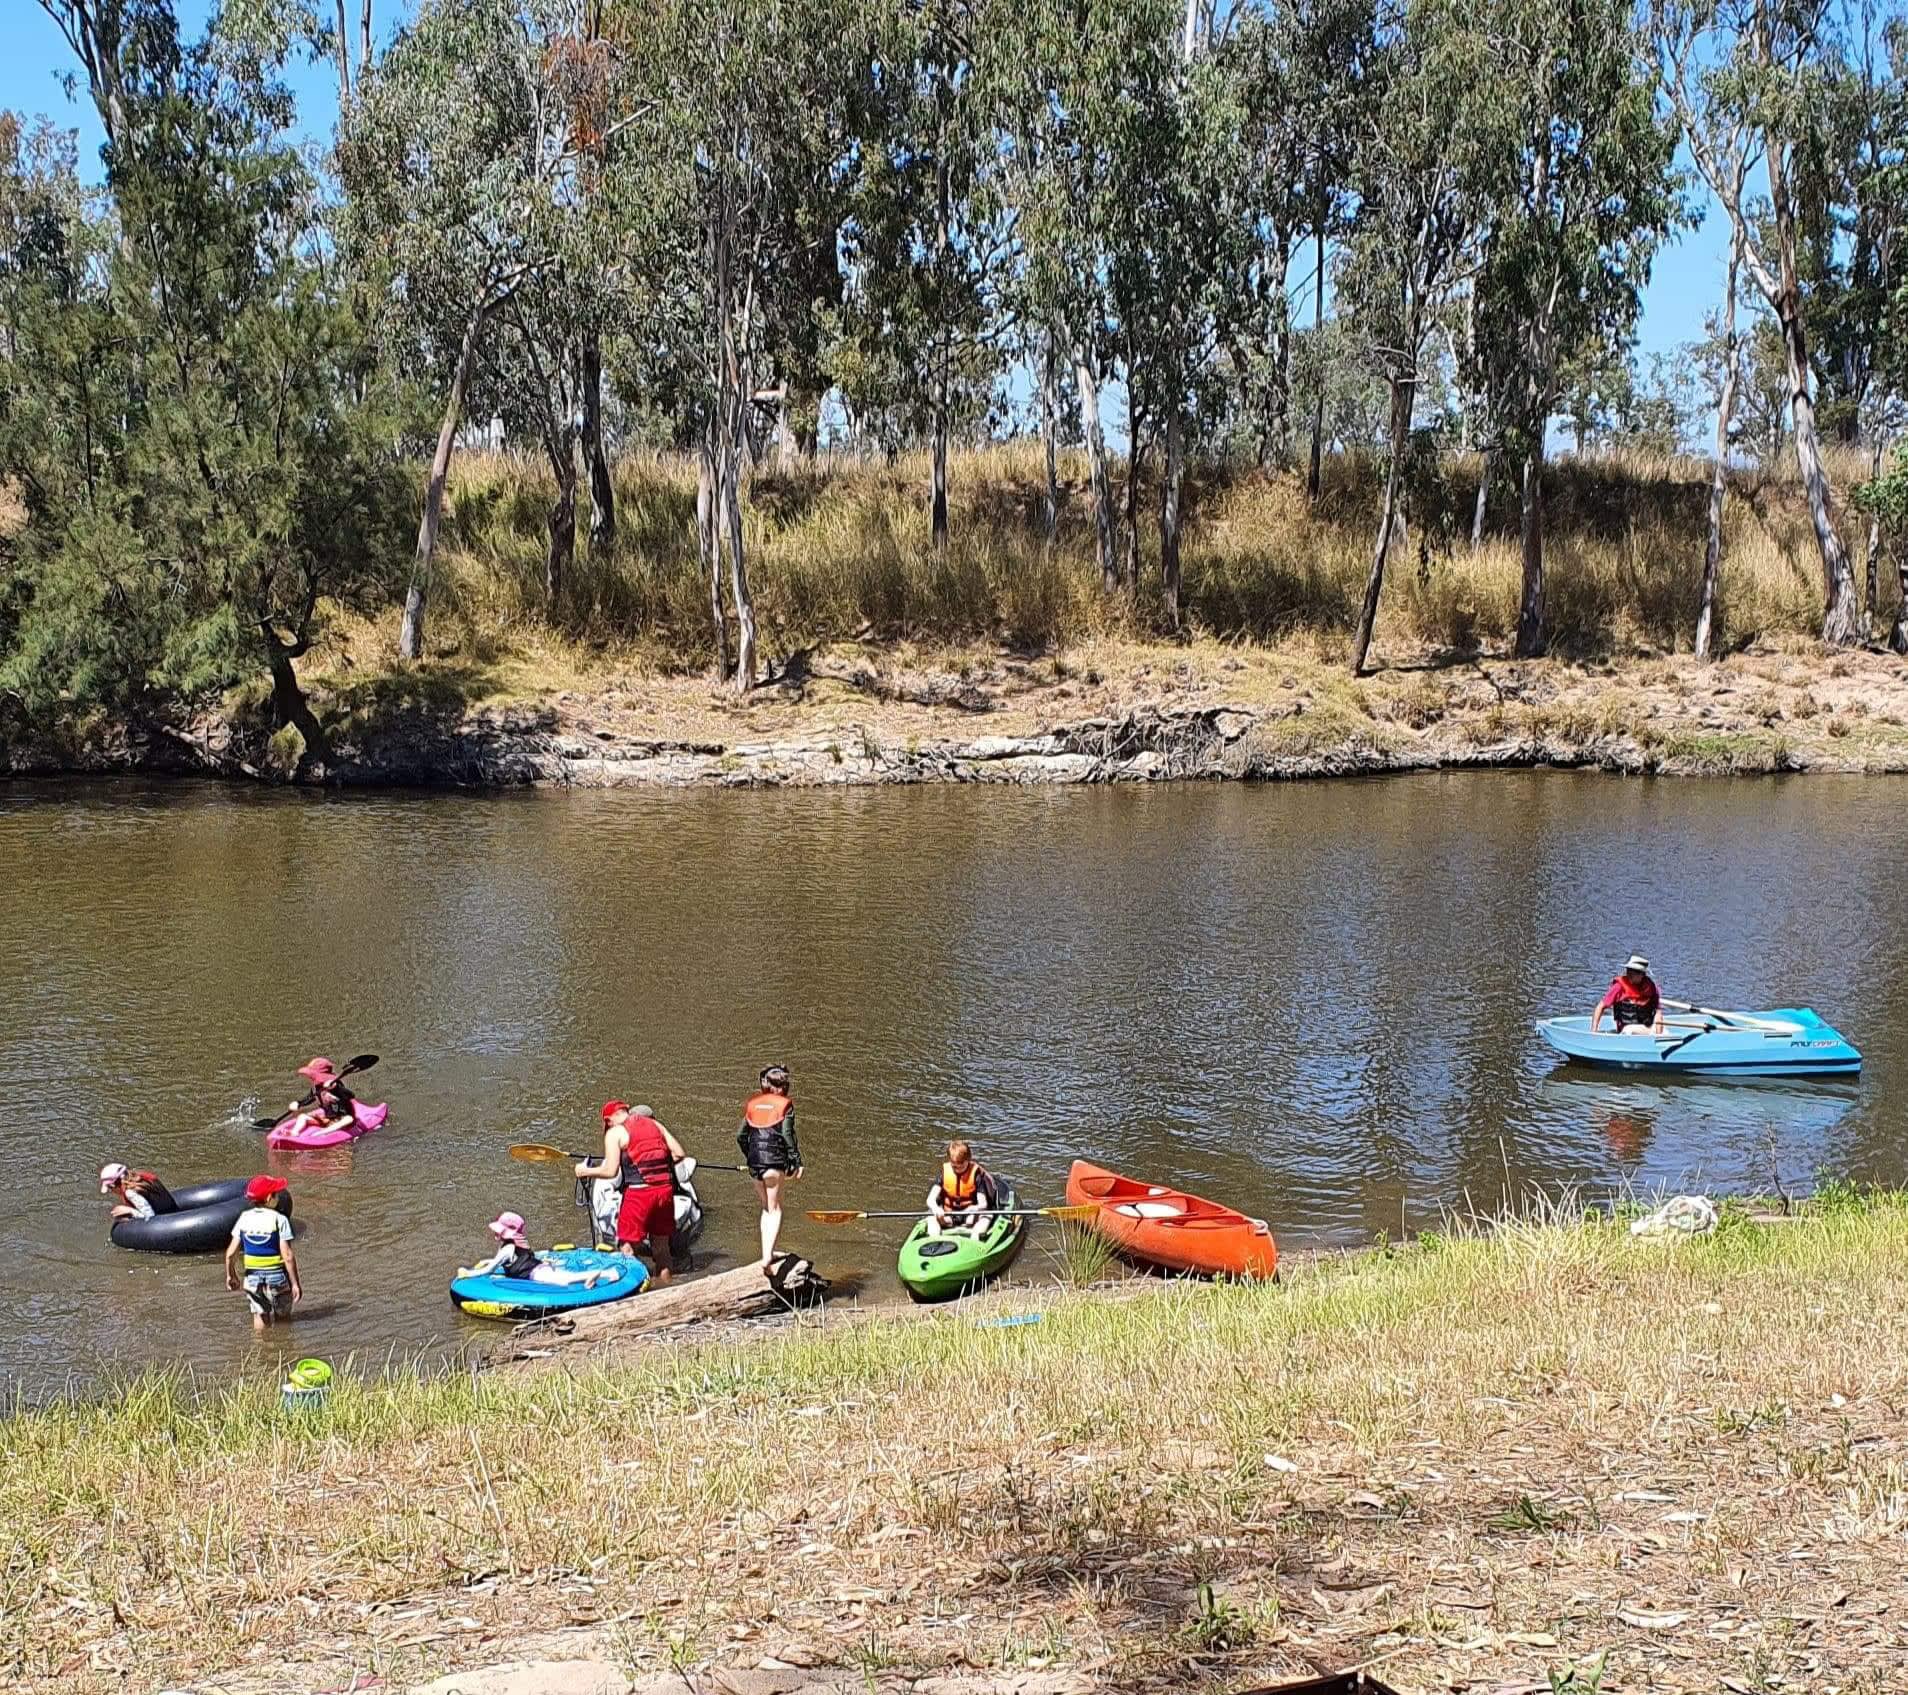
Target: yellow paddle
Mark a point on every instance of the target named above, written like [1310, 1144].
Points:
[845, 1215]
[540, 1153]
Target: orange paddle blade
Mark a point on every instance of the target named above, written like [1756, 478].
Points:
[538, 1153]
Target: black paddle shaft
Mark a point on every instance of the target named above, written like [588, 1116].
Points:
[351, 1067]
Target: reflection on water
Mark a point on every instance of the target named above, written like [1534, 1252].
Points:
[1693, 1133]
[1314, 1001]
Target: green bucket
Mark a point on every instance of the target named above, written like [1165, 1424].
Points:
[307, 1386]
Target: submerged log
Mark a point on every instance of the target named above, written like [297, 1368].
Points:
[722, 1297]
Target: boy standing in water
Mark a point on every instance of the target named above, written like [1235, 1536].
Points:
[261, 1251]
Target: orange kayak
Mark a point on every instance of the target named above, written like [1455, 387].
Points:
[1172, 1228]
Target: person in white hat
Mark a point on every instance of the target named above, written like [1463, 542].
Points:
[516, 1258]
[1633, 1001]
[136, 1194]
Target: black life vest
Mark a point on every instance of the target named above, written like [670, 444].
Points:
[767, 1137]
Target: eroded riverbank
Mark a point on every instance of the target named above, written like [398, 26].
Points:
[1112, 712]
[1477, 1462]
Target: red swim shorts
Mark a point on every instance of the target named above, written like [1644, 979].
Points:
[646, 1215]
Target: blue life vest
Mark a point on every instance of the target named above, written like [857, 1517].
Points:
[261, 1250]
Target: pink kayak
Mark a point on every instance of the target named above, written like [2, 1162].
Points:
[294, 1131]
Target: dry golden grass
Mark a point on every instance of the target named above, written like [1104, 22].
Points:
[840, 549]
[1481, 1459]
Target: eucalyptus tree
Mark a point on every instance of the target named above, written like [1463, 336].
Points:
[1885, 498]
[1727, 368]
[1584, 188]
[1745, 77]
[1853, 185]
[1421, 175]
[1178, 241]
[751, 107]
[459, 156]
[1301, 66]
[920, 333]
[1063, 75]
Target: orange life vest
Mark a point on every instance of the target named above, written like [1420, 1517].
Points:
[767, 1138]
[958, 1189]
[765, 1111]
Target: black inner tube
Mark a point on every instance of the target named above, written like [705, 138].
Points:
[202, 1224]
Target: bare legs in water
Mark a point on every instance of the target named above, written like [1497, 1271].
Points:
[769, 1187]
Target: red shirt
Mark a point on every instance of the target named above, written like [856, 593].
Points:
[1643, 995]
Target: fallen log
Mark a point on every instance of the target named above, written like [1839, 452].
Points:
[721, 1297]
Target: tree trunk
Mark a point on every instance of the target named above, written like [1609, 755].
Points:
[1049, 433]
[730, 514]
[289, 705]
[1841, 621]
[344, 59]
[1871, 604]
[1483, 500]
[709, 549]
[937, 498]
[1169, 515]
[602, 490]
[411, 631]
[1135, 461]
[1314, 475]
[1530, 609]
[1719, 475]
[556, 564]
[735, 391]
[1401, 399]
[1088, 381]
[784, 436]
[1898, 637]
[937, 493]
[1276, 443]
[721, 1296]
[364, 38]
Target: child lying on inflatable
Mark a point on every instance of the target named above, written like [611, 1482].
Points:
[516, 1258]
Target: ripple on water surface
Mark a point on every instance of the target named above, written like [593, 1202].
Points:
[1314, 1001]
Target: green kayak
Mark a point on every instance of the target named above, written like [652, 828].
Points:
[937, 1268]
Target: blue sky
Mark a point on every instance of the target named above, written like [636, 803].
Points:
[1684, 287]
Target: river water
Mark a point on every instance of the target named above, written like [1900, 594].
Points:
[1311, 1000]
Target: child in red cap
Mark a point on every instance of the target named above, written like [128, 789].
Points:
[261, 1251]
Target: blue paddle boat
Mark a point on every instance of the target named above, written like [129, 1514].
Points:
[1787, 1042]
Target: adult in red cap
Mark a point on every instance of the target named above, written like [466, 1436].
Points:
[259, 1255]
[640, 1155]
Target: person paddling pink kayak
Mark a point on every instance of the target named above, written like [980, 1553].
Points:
[330, 1114]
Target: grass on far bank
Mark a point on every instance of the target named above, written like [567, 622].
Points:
[841, 549]
[867, 633]
[1483, 1460]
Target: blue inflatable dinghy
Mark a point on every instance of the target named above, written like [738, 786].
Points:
[520, 1298]
[1787, 1042]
